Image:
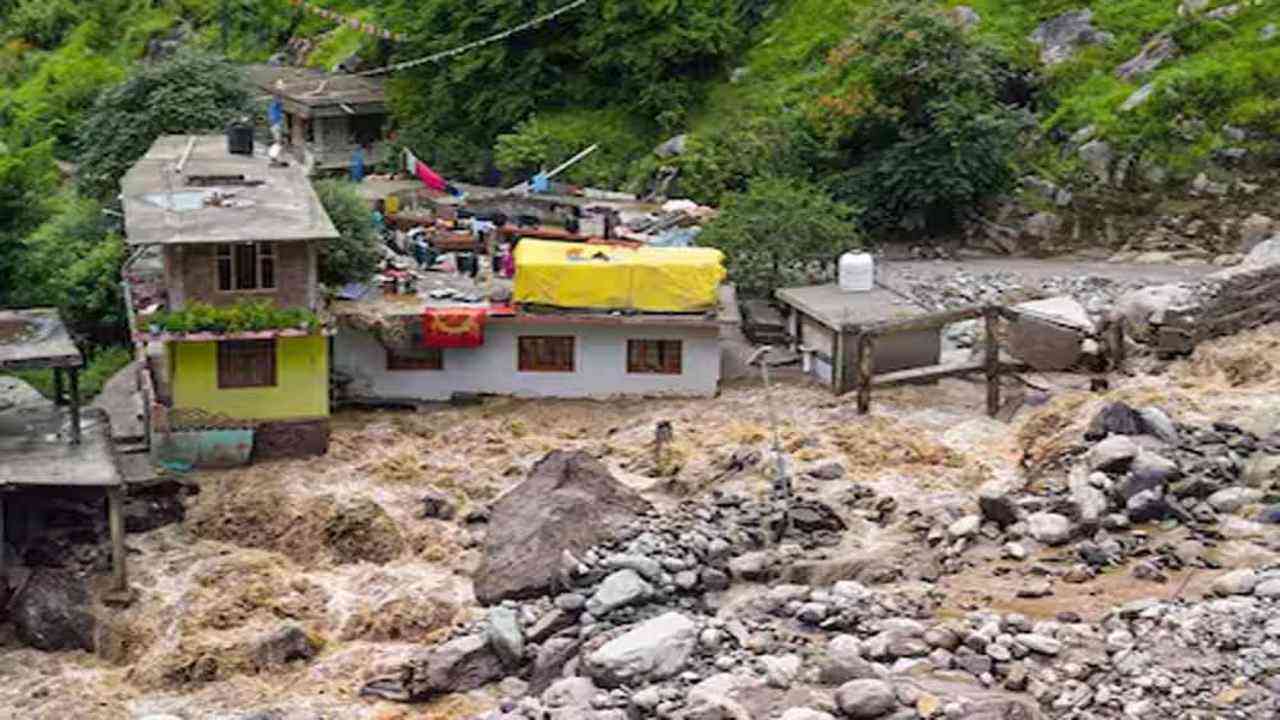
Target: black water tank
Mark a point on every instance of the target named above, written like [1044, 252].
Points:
[240, 139]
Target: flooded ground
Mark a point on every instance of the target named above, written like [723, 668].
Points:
[337, 548]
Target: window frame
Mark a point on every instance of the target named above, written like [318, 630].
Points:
[665, 355]
[530, 363]
[434, 362]
[268, 348]
[264, 262]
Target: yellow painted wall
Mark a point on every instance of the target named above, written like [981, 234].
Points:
[301, 391]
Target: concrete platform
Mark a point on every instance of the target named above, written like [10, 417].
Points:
[34, 450]
[122, 403]
[839, 310]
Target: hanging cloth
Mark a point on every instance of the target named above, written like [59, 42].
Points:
[453, 327]
[429, 177]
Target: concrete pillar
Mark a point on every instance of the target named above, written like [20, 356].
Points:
[115, 518]
[75, 405]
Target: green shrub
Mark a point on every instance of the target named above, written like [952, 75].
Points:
[546, 140]
[354, 256]
[781, 231]
[244, 316]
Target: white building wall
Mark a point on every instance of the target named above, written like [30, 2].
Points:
[600, 365]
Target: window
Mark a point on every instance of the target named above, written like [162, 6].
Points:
[416, 359]
[246, 364]
[246, 266]
[660, 357]
[546, 354]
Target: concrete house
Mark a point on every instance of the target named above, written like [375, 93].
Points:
[327, 116]
[234, 342]
[561, 338]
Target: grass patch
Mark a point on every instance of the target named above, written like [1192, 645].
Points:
[103, 364]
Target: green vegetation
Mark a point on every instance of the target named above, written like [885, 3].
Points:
[244, 316]
[101, 364]
[354, 256]
[781, 232]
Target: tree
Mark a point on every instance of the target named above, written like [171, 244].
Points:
[73, 262]
[911, 106]
[781, 231]
[355, 256]
[27, 181]
[190, 93]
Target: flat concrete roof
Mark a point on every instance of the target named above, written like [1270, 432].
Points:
[34, 450]
[186, 190]
[312, 88]
[836, 309]
[36, 338]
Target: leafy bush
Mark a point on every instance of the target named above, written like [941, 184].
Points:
[27, 180]
[189, 93]
[354, 256]
[911, 108]
[726, 159]
[544, 141]
[780, 232]
[244, 316]
[42, 22]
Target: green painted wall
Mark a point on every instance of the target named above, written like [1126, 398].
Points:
[301, 391]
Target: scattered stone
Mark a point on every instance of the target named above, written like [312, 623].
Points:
[506, 636]
[1049, 528]
[1236, 582]
[751, 567]
[843, 662]
[806, 714]
[437, 505]
[652, 650]
[866, 699]
[622, 588]
[1114, 418]
[1232, 499]
[997, 504]
[1097, 156]
[1040, 643]
[1268, 32]
[1156, 422]
[1146, 506]
[1035, 589]
[781, 671]
[1155, 53]
[965, 17]
[965, 527]
[673, 147]
[1014, 551]
[53, 612]
[462, 664]
[826, 471]
[1112, 455]
[1138, 97]
[283, 646]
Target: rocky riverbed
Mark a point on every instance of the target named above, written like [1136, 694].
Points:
[931, 562]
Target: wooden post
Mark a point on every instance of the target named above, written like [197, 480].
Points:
[59, 393]
[75, 405]
[115, 518]
[991, 316]
[866, 351]
[4, 567]
[1117, 345]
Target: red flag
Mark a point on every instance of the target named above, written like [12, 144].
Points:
[429, 177]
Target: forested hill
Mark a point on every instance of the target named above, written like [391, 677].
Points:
[910, 113]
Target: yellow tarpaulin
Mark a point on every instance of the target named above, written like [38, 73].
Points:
[607, 277]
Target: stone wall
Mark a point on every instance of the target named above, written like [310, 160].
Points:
[291, 439]
[193, 276]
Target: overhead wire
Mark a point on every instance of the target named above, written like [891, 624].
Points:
[436, 57]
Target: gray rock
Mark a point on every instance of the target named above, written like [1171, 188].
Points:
[1255, 229]
[1091, 502]
[1041, 644]
[53, 612]
[647, 698]
[571, 692]
[1138, 97]
[1232, 499]
[813, 612]
[1059, 38]
[686, 580]
[506, 635]
[570, 602]
[714, 580]
[781, 671]
[1014, 551]
[866, 699]
[1261, 470]
[1146, 506]
[806, 714]
[437, 505]
[843, 662]
[830, 470]
[284, 646]
[1265, 254]
[1049, 528]
[462, 664]
[965, 17]
[553, 655]
[1155, 53]
[652, 650]
[1236, 582]
[622, 588]
[1145, 310]
[1268, 588]
[1149, 471]
[550, 624]
[1112, 455]
[1202, 185]
[673, 147]
[1097, 157]
[534, 523]
[648, 568]
[965, 527]
[750, 567]
[1191, 7]
[1156, 422]
[996, 502]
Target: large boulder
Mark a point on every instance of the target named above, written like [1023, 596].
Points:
[569, 502]
[866, 699]
[652, 650]
[1059, 38]
[1154, 54]
[1050, 334]
[1146, 309]
[54, 612]
[459, 665]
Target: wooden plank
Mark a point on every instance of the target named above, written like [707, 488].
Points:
[928, 374]
[924, 322]
[866, 351]
[991, 318]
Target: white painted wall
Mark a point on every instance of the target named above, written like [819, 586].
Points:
[600, 365]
